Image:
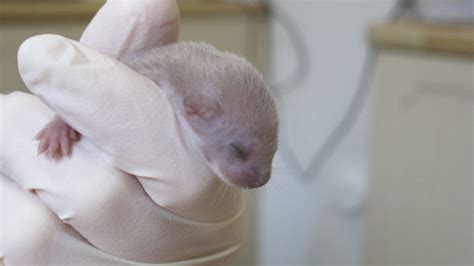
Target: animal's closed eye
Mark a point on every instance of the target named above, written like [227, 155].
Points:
[239, 150]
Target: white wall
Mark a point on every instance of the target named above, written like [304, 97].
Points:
[320, 222]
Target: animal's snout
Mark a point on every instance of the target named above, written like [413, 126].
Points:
[261, 180]
[247, 177]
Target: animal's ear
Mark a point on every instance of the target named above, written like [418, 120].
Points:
[202, 106]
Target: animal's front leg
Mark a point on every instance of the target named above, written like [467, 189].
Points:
[56, 139]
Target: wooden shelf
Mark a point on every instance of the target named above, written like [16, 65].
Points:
[20, 10]
[220, 8]
[433, 37]
[47, 10]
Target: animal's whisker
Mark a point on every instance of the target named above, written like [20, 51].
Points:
[223, 194]
[236, 199]
[217, 193]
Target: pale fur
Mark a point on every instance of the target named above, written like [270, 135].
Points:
[249, 115]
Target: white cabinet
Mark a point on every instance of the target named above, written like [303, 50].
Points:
[420, 208]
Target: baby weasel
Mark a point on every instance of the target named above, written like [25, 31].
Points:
[223, 99]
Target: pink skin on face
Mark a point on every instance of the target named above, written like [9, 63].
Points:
[56, 139]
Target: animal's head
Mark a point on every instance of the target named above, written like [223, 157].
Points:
[235, 121]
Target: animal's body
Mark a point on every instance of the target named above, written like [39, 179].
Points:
[219, 99]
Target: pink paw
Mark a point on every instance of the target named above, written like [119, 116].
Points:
[56, 139]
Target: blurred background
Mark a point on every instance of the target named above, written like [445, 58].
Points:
[376, 100]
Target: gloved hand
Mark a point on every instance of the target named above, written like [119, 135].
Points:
[127, 120]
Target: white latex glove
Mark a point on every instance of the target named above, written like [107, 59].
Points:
[125, 118]
[122, 26]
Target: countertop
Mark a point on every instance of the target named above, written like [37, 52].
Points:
[35, 9]
[429, 37]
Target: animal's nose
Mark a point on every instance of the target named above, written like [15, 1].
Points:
[260, 179]
[252, 177]
[249, 177]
